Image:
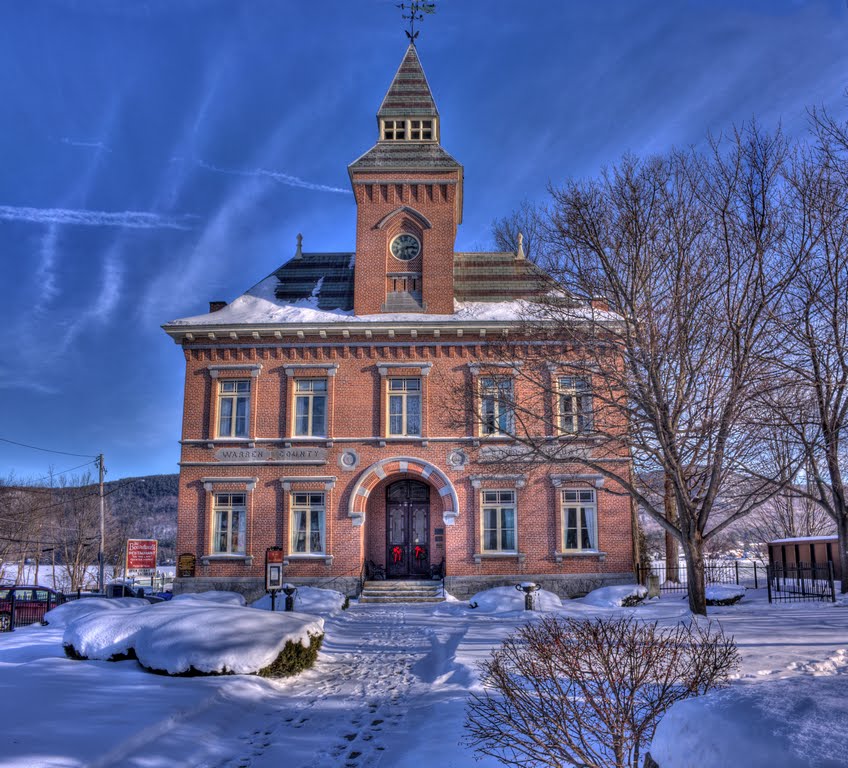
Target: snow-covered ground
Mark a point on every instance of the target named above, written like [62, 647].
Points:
[388, 691]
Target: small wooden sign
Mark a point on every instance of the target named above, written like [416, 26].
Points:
[186, 564]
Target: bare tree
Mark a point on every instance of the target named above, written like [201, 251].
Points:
[590, 693]
[525, 221]
[691, 253]
[812, 363]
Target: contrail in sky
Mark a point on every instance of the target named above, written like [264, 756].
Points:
[87, 218]
[89, 144]
[283, 178]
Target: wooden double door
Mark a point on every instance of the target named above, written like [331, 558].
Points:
[407, 530]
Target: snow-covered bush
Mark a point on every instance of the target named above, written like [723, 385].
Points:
[191, 637]
[506, 599]
[66, 612]
[724, 594]
[572, 692]
[212, 596]
[318, 602]
[618, 596]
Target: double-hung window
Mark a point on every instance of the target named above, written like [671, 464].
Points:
[307, 523]
[575, 405]
[233, 407]
[496, 398]
[404, 407]
[499, 521]
[310, 408]
[580, 519]
[230, 523]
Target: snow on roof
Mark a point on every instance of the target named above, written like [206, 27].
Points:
[260, 306]
[799, 539]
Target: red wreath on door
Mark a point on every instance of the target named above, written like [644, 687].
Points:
[420, 553]
[397, 554]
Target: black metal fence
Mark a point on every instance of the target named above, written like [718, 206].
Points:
[798, 582]
[672, 577]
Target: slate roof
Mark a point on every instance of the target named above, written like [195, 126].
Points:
[497, 277]
[327, 279]
[405, 154]
[409, 94]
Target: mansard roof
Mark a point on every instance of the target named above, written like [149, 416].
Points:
[409, 95]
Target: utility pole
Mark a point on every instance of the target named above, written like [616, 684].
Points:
[101, 554]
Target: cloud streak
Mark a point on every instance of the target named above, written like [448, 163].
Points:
[98, 145]
[282, 178]
[89, 218]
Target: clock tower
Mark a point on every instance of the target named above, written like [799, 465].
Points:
[408, 194]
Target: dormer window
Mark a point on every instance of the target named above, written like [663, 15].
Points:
[412, 130]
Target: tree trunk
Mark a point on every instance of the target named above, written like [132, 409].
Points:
[693, 551]
[672, 548]
[842, 544]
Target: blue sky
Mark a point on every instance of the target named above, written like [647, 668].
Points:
[157, 154]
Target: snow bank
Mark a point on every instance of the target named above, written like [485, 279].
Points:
[505, 599]
[721, 592]
[793, 723]
[191, 635]
[318, 602]
[615, 596]
[67, 612]
[212, 596]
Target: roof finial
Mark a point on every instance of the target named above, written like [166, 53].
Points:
[299, 250]
[519, 254]
[417, 9]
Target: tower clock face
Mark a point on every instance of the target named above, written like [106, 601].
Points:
[405, 247]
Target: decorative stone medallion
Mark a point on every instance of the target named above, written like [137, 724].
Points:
[457, 459]
[349, 460]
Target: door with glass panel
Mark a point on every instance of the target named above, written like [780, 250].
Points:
[407, 529]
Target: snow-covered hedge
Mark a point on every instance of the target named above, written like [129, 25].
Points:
[793, 723]
[198, 637]
[724, 594]
[212, 596]
[505, 599]
[67, 612]
[318, 602]
[620, 595]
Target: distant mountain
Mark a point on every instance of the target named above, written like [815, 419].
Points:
[146, 508]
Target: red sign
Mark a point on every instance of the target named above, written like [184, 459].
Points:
[141, 554]
[274, 555]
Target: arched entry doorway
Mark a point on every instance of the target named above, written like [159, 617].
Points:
[407, 529]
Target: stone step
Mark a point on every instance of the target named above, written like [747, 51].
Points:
[392, 598]
[392, 586]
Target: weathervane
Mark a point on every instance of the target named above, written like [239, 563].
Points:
[417, 10]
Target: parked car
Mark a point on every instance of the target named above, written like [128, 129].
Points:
[126, 589]
[31, 602]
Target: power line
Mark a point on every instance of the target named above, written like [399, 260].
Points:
[48, 450]
[63, 472]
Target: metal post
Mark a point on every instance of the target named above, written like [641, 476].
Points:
[830, 581]
[736, 563]
[756, 586]
[101, 554]
[273, 599]
[768, 580]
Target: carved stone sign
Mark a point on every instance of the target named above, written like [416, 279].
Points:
[492, 454]
[308, 455]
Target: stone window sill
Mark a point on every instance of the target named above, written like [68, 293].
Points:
[326, 559]
[577, 553]
[480, 556]
[227, 558]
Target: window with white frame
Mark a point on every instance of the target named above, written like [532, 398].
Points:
[307, 523]
[404, 407]
[310, 407]
[580, 519]
[414, 130]
[233, 407]
[498, 521]
[496, 397]
[575, 405]
[230, 523]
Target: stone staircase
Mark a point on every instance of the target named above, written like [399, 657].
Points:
[389, 591]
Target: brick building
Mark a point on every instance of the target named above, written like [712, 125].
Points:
[357, 407]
